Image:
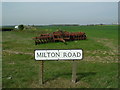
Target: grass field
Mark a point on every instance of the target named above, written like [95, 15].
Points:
[98, 69]
[0, 59]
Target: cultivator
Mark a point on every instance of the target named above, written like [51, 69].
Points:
[60, 35]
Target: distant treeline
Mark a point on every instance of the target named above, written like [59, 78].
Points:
[68, 25]
[7, 28]
[65, 25]
[12, 27]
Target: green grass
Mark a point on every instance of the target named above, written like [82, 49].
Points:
[98, 69]
[0, 59]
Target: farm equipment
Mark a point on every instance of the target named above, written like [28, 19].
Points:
[60, 35]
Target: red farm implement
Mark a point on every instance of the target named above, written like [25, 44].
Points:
[60, 35]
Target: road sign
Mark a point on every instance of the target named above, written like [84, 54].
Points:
[66, 54]
[59, 54]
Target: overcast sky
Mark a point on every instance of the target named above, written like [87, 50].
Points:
[14, 13]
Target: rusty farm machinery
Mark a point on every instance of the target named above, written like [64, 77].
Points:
[59, 35]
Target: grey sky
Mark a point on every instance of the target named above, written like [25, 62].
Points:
[59, 13]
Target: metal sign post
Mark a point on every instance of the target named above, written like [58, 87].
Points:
[74, 70]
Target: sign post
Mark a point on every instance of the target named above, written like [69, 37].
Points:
[66, 54]
[41, 72]
[74, 71]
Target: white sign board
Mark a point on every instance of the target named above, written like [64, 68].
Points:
[58, 54]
